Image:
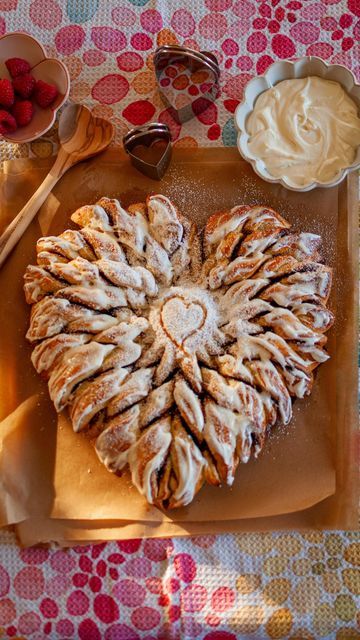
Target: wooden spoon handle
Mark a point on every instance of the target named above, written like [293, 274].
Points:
[18, 226]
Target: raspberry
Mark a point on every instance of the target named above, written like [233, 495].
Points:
[17, 67]
[23, 112]
[45, 94]
[24, 85]
[7, 122]
[6, 93]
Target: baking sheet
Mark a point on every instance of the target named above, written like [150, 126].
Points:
[47, 471]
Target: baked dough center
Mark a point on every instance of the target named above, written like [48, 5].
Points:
[181, 319]
[184, 319]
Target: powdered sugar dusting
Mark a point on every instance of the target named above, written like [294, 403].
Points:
[187, 317]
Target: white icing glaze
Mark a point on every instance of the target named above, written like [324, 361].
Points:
[222, 430]
[102, 296]
[76, 365]
[49, 352]
[50, 316]
[155, 442]
[94, 323]
[158, 261]
[135, 387]
[39, 283]
[304, 129]
[114, 443]
[320, 316]
[257, 243]
[190, 467]
[104, 244]
[189, 405]
[89, 399]
[164, 223]
[270, 380]
[159, 401]
[283, 321]
[93, 216]
[234, 221]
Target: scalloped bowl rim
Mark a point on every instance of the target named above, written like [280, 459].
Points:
[244, 136]
[65, 97]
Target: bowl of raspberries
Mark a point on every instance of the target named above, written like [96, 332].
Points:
[32, 88]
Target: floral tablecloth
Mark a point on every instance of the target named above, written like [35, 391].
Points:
[277, 585]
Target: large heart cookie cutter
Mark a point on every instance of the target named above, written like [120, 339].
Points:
[147, 136]
[187, 79]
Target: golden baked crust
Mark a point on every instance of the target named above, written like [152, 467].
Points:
[176, 353]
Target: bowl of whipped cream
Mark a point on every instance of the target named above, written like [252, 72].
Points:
[299, 124]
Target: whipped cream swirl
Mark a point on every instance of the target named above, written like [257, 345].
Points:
[304, 130]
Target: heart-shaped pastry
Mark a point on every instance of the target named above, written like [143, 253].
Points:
[174, 365]
[181, 319]
[188, 80]
[150, 135]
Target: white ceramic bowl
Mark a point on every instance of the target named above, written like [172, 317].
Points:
[285, 70]
[21, 45]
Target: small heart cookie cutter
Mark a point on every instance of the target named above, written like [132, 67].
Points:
[176, 64]
[147, 135]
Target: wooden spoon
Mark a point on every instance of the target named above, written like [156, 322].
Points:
[81, 136]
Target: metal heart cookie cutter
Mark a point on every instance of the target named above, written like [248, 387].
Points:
[187, 80]
[140, 144]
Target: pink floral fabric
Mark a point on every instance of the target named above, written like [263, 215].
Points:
[108, 47]
[299, 586]
[228, 587]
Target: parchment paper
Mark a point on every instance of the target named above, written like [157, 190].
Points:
[51, 479]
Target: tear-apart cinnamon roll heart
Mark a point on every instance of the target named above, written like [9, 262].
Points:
[174, 366]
